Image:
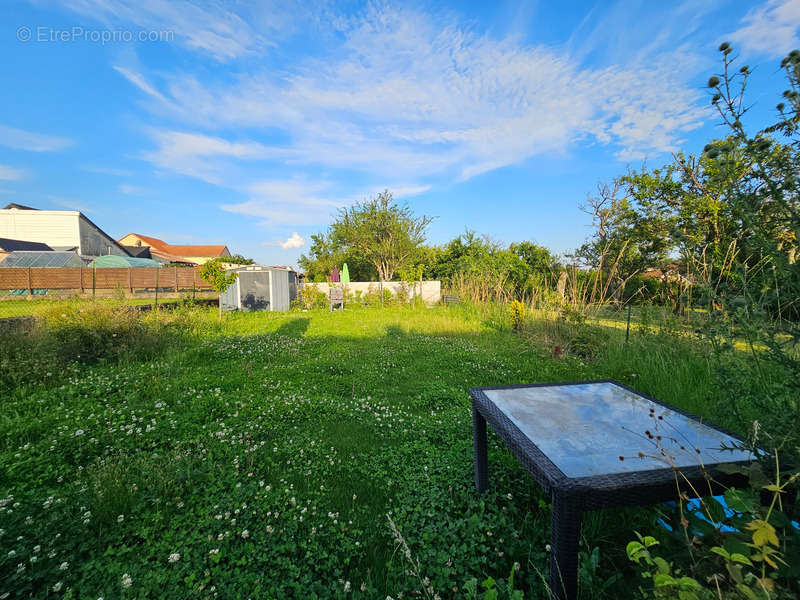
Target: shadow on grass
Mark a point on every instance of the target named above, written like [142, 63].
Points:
[294, 328]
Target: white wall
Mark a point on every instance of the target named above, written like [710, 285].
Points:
[57, 228]
[429, 291]
[51, 227]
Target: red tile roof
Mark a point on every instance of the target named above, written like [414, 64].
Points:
[163, 246]
[197, 250]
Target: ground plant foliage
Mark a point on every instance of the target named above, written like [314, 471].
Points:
[262, 456]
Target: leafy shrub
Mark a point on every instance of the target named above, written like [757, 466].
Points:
[517, 314]
[310, 297]
[750, 552]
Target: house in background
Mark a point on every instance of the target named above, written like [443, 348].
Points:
[164, 252]
[64, 230]
[8, 246]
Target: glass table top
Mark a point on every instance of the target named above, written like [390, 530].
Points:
[585, 428]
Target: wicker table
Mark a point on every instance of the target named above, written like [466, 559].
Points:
[598, 444]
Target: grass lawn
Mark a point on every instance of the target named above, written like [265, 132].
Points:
[260, 459]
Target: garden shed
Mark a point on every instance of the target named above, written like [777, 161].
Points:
[260, 288]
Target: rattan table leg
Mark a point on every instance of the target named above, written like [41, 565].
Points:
[481, 452]
[564, 536]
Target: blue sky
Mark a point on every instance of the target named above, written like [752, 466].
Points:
[251, 123]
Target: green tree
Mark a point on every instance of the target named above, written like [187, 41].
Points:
[218, 278]
[325, 252]
[238, 259]
[631, 234]
[383, 232]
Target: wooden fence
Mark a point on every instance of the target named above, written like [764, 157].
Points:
[87, 279]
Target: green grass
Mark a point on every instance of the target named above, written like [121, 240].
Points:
[268, 450]
[38, 306]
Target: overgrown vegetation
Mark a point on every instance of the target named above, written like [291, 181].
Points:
[184, 456]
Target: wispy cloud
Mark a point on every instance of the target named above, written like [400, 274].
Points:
[70, 204]
[139, 81]
[202, 156]
[409, 96]
[293, 241]
[288, 202]
[10, 173]
[109, 171]
[20, 139]
[132, 190]
[770, 29]
[207, 27]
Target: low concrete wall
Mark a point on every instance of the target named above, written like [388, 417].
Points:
[429, 291]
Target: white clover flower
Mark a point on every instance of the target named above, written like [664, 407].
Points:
[346, 586]
[120, 518]
[63, 566]
[174, 557]
[57, 587]
[126, 580]
[245, 534]
[12, 553]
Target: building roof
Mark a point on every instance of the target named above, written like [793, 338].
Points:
[198, 250]
[15, 206]
[8, 245]
[138, 251]
[167, 257]
[42, 259]
[182, 250]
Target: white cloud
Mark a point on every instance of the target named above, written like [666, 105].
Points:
[294, 241]
[770, 29]
[406, 191]
[140, 82]
[208, 26]
[10, 173]
[20, 139]
[202, 156]
[287, 202]
[407, 95]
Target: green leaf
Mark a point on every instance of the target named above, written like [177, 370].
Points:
[746, 591]
[741, 559]
[689, 583]
[650, 541]
[742, 501]
[663, 580]
[721, 552]
[634, 550]
[715, 509]
[662, 565]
